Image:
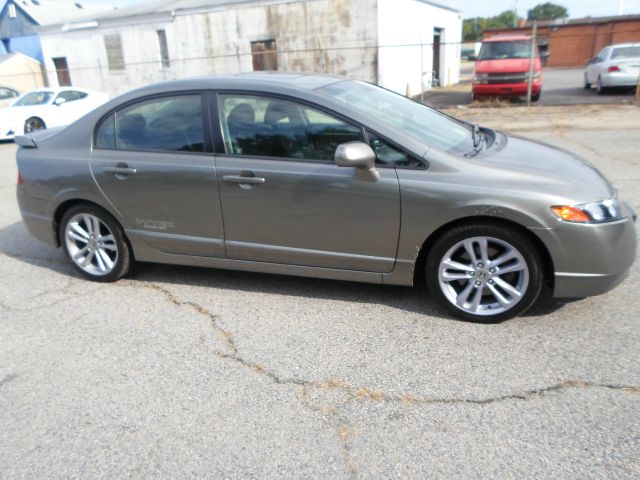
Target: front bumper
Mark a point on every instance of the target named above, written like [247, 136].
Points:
[591, 259]
[504, 89]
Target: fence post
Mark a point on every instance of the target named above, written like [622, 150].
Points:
[532, 59]
[421, 72]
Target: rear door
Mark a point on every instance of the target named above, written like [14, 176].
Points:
[154, 164]
[283, 198]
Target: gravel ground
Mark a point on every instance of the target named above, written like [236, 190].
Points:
[185, 372]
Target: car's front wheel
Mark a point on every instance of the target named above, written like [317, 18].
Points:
[484, 272]
[94, 243]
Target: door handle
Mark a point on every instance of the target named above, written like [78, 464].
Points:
[243, 180]
[121, 169]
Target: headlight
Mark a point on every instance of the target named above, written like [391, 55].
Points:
[596, 212]
[481, 78]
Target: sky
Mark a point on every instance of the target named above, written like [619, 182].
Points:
[483, 8]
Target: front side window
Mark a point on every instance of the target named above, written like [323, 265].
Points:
[34, 98]
[169, 124]
[388, 154]
[274, 127]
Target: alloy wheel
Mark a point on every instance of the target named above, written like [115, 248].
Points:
[483, 276]
[91, 244]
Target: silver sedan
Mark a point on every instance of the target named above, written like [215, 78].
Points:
[324, 177]
[615, 66]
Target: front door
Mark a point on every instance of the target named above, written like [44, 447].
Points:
[153, 164]
[285, 201]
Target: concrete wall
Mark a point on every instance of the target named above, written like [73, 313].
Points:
[318, 35]
[409, 22]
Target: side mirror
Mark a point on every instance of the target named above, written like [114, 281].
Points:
[472, 57]
[358, 155]
[59, 101]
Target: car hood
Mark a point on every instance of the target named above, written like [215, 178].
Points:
[508, 65]
[529, 165]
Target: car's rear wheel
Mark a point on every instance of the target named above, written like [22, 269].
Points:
[587, 85]
[600, 88]
[34, 123]
[94, 243]
[484, 272]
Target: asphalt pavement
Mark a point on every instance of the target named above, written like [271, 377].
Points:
[184, 372]
[561, 86]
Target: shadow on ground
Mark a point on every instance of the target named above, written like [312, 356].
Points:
[16, 242]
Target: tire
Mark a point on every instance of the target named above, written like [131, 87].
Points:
[600, 89]
[536, 97]
[94, 243]
[469, 292]
[34, 124]
[587, 85]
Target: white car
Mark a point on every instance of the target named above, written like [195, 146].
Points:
[615, 66]
[7, 96]
[46, 108]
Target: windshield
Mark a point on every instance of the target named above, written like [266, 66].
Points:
[626, 52]
[34, 98]
[413, 118]
[504, 50]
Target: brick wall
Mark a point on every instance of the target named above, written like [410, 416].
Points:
[573, 45]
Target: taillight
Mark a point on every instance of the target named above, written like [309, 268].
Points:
[20, 179]
[613, 68]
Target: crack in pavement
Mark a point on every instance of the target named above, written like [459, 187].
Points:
[8, 378]
[306, 388]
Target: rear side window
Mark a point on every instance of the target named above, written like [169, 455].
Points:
[626, 52]
[168, 124]
[274, 127]
[72, 95]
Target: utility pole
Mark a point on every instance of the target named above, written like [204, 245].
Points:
[515, 14]
[532, 59]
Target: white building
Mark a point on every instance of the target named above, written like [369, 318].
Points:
[403, 45]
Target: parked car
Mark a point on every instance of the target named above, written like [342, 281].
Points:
[615, 66]
[7, 96]
[502, 68]
[46, 108]
[323, 177]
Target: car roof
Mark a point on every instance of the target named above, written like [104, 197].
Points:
[266, 81]
[631, 44]
[507, 38]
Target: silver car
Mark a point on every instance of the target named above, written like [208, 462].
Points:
[324, 177]
[615, 66]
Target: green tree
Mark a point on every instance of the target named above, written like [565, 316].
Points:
[472, 28]
[547, 11]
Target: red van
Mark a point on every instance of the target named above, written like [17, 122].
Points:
[502, 68]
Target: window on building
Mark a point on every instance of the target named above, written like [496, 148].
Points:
[62, 71]
[12, 11]
[115, 54]
[265, 55]
[272, 127]
[169, 124]
[164, 48]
